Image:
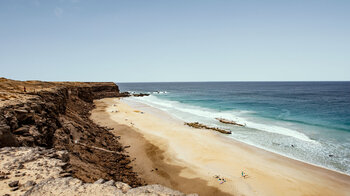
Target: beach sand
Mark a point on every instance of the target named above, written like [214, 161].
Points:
[167, 152]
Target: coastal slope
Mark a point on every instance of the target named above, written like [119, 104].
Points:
[56, 115]
[49, 145]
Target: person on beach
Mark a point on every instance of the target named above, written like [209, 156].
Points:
[244, 174]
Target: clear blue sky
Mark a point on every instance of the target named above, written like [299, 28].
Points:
[178, 40]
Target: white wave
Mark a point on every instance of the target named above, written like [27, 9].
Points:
[210, 114]
[159, 92]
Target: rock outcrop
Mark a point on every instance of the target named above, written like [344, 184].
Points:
[198, 125]
[140, 94]
[225, 121]
[56, 115]
[49, 146]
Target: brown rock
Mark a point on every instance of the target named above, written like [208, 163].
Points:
[65, 175]
[6, 137]
[225, 121]
[55, 116]
[198, 125]
[21, 130]
[29, 183]
[14, 183]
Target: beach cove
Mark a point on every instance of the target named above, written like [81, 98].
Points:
[167, 152]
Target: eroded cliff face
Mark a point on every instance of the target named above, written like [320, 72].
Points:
[56, 115]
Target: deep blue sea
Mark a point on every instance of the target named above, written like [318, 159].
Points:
[308, 121]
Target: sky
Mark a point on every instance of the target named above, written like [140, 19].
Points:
[178, 40]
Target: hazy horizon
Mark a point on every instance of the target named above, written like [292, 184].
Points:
[175, 41]
[267, 81]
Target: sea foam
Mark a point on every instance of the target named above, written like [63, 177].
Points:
[182, 111]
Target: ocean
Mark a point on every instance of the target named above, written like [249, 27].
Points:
[307, 121]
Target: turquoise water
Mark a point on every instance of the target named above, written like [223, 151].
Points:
[308, 121]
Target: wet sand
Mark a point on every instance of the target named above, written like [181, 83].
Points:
[187, 159]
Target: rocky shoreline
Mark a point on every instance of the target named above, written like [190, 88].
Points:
[55, 116]
[198, 125]
[225, 121]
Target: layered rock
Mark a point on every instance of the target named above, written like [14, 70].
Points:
[56, 115]
[198, 125]
[225, 121]
[62, 151]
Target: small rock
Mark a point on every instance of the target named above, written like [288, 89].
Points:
[15, 189]
[65, 175]
[14, 183]
[122, 186]
[29, 183]
[64, 157]
[53, 156]
[20, 166]
[124, 162]
[100, 181]
[38, 177]
[4, 177]
[21, 130]
[110, 183]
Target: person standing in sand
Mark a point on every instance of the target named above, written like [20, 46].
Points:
[244, 174]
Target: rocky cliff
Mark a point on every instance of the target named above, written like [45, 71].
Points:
[56, 115]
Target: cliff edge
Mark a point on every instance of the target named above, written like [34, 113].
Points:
[56, 115]
[49, 146]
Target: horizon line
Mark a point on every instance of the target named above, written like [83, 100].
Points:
[242, 81]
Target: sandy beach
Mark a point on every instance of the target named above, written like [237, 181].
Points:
[165, 151]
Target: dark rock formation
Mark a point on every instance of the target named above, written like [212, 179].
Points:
[56, 115]
[197, 125]
[140, 94]
[225, 121]
[14, 183]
